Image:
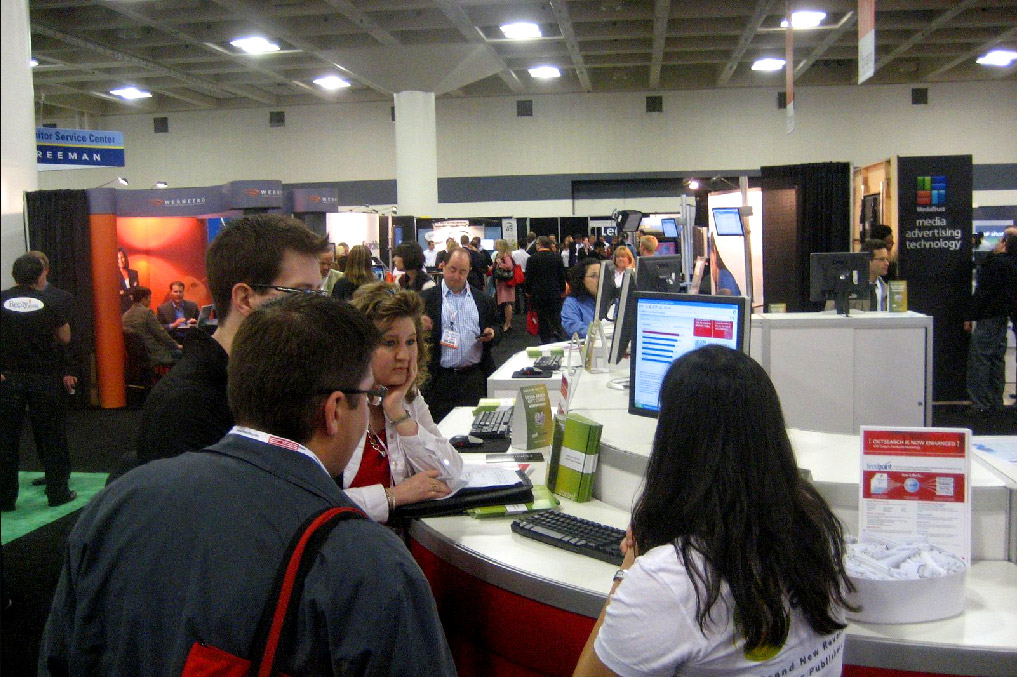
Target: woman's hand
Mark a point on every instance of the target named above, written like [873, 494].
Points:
[393, 403]
[629, 549]
[420, 487]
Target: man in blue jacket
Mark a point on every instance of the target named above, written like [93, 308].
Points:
[181, 554]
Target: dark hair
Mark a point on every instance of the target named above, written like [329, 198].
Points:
[251, 249]
[722, 485]
[543, 242]
[577, 275]
[139, 293]
[287, 352]
[127, 260]
[464, 239]
[26, 269]
[175, 283]
[880, 231]
[41, 256]
[358, 265]
[1010, 244]
[872, 245]
[383, 303]
[411, 254]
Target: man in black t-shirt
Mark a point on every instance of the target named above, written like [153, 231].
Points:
[31, 326]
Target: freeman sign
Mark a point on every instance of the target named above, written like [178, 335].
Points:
[77, 148]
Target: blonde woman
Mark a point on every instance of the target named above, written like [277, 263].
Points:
[505, 294]
[402, 458]
[623, 260]
[358, 272]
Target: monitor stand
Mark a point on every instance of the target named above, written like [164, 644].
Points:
[619, 383]
[621, 373]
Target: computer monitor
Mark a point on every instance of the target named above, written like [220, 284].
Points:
[839, 276]
[628, 220]
[666, 326]
[728, 221]
[659, 273]
[623, 319]
[487, 243]
[670, 228]
[607, 292]
[666, 248]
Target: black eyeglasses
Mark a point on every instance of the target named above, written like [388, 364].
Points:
[291, 290]
[374, 395]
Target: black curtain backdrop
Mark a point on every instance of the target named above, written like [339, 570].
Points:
[58, 226]
[824, 217]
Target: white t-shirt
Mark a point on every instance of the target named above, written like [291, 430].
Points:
[650, 629]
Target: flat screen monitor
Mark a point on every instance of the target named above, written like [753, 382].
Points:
[666, 326]
[487, 243]
[728, 221]
[659, 273]
[670, 228]
[623, 319]
[606, 290]
[629, 220]
[665, 248]
[839, 276]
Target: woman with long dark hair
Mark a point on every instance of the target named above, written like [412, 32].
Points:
[128, 279]
[581, 304]
[408, 258]
[733, 563]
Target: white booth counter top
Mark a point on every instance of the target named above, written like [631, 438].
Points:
[981, 641]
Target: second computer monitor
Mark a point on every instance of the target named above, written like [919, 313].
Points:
[666, 326]
[659, 273]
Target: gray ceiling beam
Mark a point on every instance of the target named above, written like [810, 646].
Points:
[457, 15]
[745, 39]
[937, 23]
[973, 53]
[561, 14]
[661, 13]
[849, 20]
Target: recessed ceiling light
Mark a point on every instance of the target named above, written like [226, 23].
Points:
[521, 30]
[130, 93]
[545, 72]
[331, 82]
[767, 64]
[998, 57]
[804, 19]
[255, 45]
[34, 62]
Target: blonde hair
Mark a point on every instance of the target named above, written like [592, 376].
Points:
[358, 265]
[622, 250]
[502, 247]
[383, 303]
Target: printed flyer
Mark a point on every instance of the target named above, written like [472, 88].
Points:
[915, 485]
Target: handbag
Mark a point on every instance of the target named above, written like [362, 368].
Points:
[504, 274]
[278, 617]
[518, 276]
[531, 322]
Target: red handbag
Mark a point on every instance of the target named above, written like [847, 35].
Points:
[278, 617]
[518, 276]
[531, 322]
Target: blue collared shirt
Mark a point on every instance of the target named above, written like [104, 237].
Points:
[460, 314]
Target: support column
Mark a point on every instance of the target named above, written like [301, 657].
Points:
[18, 172]
[416, 154]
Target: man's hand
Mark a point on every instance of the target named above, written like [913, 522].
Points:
[488, 335]
[968, 326]
[70, 383]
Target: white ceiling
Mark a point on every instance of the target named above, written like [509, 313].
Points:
[180, 49]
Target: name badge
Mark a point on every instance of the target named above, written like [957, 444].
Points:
[450, 339]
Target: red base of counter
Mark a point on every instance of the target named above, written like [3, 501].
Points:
[496, 633]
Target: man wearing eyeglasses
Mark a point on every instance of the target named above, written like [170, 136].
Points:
[252, 260]
[462, 333]
[178, 558]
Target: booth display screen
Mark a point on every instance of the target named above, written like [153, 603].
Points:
[669, 227]
[666, 249]
[666, 326]
[727, 221]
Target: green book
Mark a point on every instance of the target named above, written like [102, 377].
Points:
[531, 418]
[552, 462]
[898, 295]
[543, 499]
[576, 460]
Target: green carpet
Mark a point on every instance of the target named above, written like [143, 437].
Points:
[33, 507]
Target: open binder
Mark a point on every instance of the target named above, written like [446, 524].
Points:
[521, 491]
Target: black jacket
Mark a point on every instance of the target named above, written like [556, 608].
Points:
[996, 291]
[545, 275]
[485, 308]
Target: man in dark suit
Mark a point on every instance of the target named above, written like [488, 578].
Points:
[178, 311]
[462, 333]
[545, 282]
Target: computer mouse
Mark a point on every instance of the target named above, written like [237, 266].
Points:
[531, 371]
[465, 442]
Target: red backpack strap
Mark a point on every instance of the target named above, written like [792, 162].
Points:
[278, 618]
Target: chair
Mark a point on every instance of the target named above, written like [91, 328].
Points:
[140, 374]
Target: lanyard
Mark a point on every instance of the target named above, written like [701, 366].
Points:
[276, 441]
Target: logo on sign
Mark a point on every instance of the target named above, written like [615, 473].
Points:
[23, 304]
[252, 192]
[931, 190]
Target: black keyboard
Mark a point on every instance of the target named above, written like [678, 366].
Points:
[575, 534]
[548, 363]
[493, 425]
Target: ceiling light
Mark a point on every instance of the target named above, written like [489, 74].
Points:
[545, 72]
[331, 82]
[121, 180]
[767, 64]
[521, 30]
[160, 184]
[34, 62]
[255, 45]
[130, 93]
[998, 57]
[804, 19]
[693, 184]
